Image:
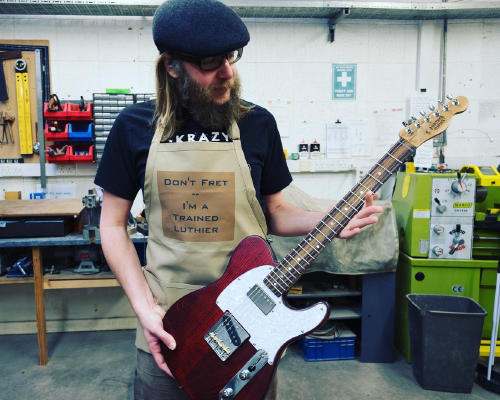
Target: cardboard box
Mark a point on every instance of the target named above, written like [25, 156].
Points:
[13, 195]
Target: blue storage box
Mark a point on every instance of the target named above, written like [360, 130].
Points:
[81, 132]
[328, 348]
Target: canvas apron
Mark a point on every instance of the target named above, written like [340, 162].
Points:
[200, 204]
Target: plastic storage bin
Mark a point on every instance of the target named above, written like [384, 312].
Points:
[328, 348]
[74, 113]
[70, 112]
[60, 159]
[81, 154]
[445, 335]
[80, 132]
[60, 134]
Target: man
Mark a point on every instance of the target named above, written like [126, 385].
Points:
[212, 171]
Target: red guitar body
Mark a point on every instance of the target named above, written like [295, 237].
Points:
[195, 365]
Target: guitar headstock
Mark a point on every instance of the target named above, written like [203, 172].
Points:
[430, 125]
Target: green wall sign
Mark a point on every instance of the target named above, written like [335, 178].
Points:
[344, 82]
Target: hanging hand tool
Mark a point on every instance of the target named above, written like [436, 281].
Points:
[24, 107]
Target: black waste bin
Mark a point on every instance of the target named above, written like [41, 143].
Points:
[445, 335]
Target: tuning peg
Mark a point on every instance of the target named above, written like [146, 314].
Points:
[408, 130]
[404, 123]
[431, 107]
[422, 113]
[446, 107]
[449, 97]
[413, 119]
[455, 102]
[440, 102]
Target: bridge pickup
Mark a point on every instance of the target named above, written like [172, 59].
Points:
[226, 336]
[261, 299]
[244, 375]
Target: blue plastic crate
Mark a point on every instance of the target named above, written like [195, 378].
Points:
[80, 132]
[327, 348]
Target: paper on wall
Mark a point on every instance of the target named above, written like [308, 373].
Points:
[338, 143]
[387, 125]
[58, 190]
[283, 113]
[361, 139]
[423, 155]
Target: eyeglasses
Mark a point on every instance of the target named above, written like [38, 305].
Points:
[213, 62]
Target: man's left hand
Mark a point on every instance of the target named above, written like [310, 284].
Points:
[364, 218]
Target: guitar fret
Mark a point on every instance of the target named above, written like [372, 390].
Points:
[292, 268]
[349, 204]
[364, 186]
[326, 237]
[357, 196]
[341, 212]
[276, 282]
[323, 222]
[375, 178]
[313, 237]
[402, 144]
[300, 257]
[380, 165]
[305, 251]
[285, 275]
[395, 158]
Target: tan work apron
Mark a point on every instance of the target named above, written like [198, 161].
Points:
[200, 204]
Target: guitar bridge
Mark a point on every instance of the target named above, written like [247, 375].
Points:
[226, 336]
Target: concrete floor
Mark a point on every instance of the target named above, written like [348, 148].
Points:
[100, 365]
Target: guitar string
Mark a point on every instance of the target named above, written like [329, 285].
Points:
[249, 304]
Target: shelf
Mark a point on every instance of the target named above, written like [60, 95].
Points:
[7, 281]
[311, 292]
[345, 313]
[267, 9]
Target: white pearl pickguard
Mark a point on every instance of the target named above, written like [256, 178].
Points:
[267, 332]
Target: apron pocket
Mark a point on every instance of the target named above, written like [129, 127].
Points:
[167, 293]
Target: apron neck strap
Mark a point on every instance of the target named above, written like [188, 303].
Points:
[234, 131]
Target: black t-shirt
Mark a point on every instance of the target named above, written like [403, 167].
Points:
[123, 164]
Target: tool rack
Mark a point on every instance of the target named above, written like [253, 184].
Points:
[107, 106]
[72, 132]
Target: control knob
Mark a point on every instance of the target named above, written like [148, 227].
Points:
[438, 229]
[437, 250]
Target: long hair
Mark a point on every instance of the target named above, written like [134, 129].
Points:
[168, 104]
[169, 101]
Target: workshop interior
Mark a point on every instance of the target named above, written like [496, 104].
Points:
[394, 97]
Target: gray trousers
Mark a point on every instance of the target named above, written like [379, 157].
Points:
[151, 383]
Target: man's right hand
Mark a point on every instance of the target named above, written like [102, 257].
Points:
[152, 324]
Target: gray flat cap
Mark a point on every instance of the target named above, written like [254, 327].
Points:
[198, 27]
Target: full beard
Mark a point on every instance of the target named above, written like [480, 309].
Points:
[209, 114]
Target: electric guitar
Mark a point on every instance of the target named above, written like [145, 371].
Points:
[231, 334]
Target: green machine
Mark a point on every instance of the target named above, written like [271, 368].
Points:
[449, 237]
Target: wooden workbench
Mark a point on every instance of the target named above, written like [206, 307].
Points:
[57, 207]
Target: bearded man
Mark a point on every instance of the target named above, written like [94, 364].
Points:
[211, 168]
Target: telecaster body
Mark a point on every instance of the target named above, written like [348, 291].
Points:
[234, 312]
[231, 334]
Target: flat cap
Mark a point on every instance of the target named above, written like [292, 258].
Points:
[198, 27]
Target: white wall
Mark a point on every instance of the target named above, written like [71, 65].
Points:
[290, 60]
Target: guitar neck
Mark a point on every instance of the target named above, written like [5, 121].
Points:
[291, 268]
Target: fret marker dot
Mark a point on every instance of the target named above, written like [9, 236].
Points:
[380, 173]
[361, 191]
[331, 223]
[345, 208]
[317, 246]
[298, 258]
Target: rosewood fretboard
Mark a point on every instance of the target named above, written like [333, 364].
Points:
[291, 268]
